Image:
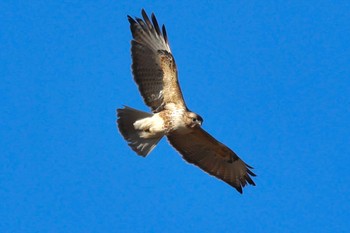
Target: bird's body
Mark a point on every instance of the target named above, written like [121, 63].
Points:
[155, 72]
[162, 123]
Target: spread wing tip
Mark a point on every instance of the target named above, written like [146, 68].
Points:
[130, 19]
[148, 27]
[155, 23]
[239, 187]
[250, 172]
[165, 34]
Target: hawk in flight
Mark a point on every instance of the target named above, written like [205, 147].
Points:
[155, 73]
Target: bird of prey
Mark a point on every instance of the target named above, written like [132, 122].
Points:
[155, 73]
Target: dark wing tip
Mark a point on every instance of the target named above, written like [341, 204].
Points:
[239, 189]
[148, 25]
[250, 180]
[131, 20]
[240, 183]
[143, 12]
[155, 23]
[144, 15]
[165, 34]
[250, 172]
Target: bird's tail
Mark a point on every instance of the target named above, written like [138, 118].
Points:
[126, 119]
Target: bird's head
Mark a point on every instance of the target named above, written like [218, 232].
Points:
[194, 119]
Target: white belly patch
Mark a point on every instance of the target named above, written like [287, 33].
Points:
[150, 127]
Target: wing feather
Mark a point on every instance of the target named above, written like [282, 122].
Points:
[154, 66]
[204, 151]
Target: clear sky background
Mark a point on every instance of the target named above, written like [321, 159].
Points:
[270, 78]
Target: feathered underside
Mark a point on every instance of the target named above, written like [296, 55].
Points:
[204, 151]
[153, 64]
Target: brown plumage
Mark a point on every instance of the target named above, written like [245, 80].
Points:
[155, 73]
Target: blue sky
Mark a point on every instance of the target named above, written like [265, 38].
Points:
[270, 79]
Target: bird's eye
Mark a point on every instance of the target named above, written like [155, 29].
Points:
[194, 119]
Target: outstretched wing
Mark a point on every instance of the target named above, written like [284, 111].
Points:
[153, 65]
[204, 151]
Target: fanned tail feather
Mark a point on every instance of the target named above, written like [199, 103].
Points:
[126, 119]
